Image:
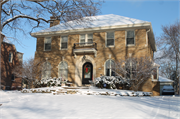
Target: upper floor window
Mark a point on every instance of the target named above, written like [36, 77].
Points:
[64, 42]
[63, 70]
[46, 70]
[47, 44]
[109, 39]
[86, 39]
[130, 38]
[110, 64]
[10, 57]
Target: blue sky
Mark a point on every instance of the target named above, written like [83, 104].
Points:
[158, 12]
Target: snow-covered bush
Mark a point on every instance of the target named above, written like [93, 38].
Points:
[111, 82]
[50, 82]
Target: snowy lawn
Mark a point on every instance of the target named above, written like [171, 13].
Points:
[17, 105]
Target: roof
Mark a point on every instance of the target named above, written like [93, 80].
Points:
[97, 21]
[163, 79]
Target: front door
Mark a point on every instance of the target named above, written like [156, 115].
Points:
[87, 73]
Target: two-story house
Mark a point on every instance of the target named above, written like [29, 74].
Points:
[82, 52]
[10, 58]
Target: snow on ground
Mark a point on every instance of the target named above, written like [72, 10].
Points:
[17, 105]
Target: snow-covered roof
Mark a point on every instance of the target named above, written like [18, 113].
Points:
[97, 21]
[163, 79]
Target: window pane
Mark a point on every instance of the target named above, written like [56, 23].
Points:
[112, 64]
[110, 42]
[90, 36]
[63, 65]
[112, 73]
[46, 72]
[155, 74]
[130, 34]
[47, 40]
[63, 45]
[64, 39]
[108, 64]
[10, 56]
[82, 41]
[107, 72]
[47, 46]
[130, 40]
[82, 36]
[110, 35]
[90, 40]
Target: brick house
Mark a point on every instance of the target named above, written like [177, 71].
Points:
[9, 59]
[70, 51]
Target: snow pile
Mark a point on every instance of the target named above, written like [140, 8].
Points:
[91, 91]
[111, 82]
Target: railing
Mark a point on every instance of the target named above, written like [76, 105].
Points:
[85, 45]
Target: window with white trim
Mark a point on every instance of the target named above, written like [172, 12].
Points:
[63, 70]
[47, 44]
[130, 38]
[86, 39]
[46, 70]
[10, 57]
[109, 65]
[109, 39]
[64, 42]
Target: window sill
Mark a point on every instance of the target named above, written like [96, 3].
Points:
[111, 46]
[63, 49]
[130, 45]
[47, 50]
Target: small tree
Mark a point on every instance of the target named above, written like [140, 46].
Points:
[28, 70]
[135, 70]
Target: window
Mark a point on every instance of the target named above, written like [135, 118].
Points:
[63, 70]
[10, 57]
[46, 70]
[131, 69]
[130, 38]
[47, 44]
[64, 42]
[12, 77]
[109, 39]
[86, 39]
[155, 74]
[108, 68]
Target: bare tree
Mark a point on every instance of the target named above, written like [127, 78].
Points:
[169, 46]
[29, 70]
[135, 70]
[15, 14]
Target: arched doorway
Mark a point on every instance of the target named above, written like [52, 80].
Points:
[87, 73]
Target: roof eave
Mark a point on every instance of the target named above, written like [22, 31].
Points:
[39, 34]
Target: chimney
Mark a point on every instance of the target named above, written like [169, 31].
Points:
[54, 21]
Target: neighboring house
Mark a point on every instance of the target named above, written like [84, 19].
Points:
[9, 59]
[82, 52]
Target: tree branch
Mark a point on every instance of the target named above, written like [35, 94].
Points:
[23, 16]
